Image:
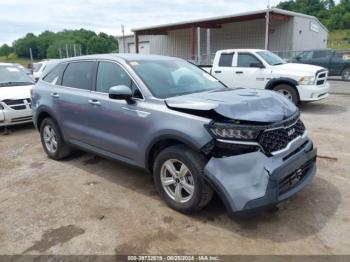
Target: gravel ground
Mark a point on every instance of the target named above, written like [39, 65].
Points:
[90, 205]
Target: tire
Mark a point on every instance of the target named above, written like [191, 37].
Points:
[202, 192]
[61, 150]
[288, 91]
[345, 76]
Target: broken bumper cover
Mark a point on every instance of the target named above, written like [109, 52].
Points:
[254, 181]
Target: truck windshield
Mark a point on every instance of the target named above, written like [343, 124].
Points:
[168, 78]
[13, 76]
[271, 58]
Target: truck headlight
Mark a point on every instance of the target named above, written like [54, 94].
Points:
[233, 132]
[307, 80]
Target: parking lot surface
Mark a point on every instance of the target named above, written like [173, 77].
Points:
[90, 205]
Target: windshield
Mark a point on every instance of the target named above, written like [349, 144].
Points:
[271, 58]
[37, 66]
[11, 76]
[167, 78]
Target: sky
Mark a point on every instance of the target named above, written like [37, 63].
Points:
[18, 17]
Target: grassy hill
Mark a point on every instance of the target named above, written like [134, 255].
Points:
[339, 39]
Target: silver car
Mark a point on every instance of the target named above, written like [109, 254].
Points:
[196, 136]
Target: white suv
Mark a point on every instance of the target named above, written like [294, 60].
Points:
[15, 102]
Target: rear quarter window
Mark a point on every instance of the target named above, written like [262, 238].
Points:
[226, 60]
[79, 75]
[55, 75]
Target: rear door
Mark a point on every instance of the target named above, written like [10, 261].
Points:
[247, 74]
[75, 110]
[223, 69]
[321, 58]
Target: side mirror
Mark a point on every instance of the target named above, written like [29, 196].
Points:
[121, 92]
[258, 65]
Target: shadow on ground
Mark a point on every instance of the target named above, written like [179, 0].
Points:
[303, 215]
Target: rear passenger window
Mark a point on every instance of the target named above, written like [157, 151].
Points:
[320, 54]
[244, 60]
[55, 75]
[111, 74]
[226, 60]
[79, 75]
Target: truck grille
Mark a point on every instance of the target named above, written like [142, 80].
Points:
[278, 138]
[321, 77]
[18, 104]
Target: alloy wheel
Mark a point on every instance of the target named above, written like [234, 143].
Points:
[177, 180]
[50, 139]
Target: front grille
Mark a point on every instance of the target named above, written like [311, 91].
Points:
[321, 77]
[278, 138]
[18, 104]
[11, 102]
[293, 179]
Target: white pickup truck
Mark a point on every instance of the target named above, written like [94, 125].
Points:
[256, 68]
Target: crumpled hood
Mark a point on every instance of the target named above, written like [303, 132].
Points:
[238, 104]
[15, 92]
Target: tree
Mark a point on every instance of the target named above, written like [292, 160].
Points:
[5, 50]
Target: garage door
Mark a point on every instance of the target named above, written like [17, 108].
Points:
[143, 48]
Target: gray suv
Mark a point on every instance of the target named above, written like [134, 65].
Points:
[195, 135]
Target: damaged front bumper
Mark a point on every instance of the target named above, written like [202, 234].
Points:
[254, 181]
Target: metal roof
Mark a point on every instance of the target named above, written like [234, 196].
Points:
[215, 22]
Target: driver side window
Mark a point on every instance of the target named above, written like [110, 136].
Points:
[111, 74]
[244, 60]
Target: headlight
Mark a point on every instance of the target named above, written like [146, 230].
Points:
[234, 132]
[307, 80]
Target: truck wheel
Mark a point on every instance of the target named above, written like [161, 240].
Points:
[288, 92]
[52, 140]
[346, 74]
[178, 176]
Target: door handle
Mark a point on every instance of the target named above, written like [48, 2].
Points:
[94, 102]
[239, 72]
[55, 95]
[217, 72]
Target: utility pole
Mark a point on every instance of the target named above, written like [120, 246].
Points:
[67, 51]
[75, 51]
[123, 34]
[267, 18]
[60, 52]
[31, 59]
[80, 50]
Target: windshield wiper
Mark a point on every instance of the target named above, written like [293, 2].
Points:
[279, 63]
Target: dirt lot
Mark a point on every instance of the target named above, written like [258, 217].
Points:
[89, 205]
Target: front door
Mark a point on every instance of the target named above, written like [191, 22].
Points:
[118, 125]
[247, 73]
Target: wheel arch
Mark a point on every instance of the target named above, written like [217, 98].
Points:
[282, 80]
[43, 113]
[160, 143]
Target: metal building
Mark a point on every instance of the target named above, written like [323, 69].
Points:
[274, 29]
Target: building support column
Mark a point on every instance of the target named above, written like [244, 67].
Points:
[136, 43]
[267, 19]
[198, 46]
[208, 47]
[193, 44]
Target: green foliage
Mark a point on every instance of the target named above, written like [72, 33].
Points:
[54, 45]
[331, 15]
[5, 50]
